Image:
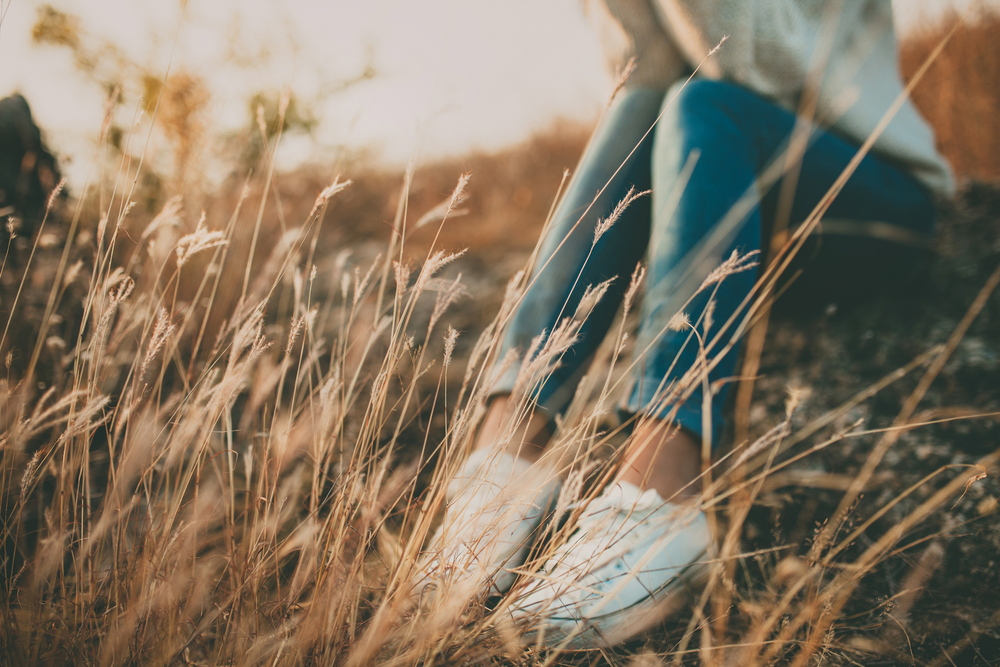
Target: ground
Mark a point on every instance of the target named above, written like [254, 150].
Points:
[851, 346]
[932, 599]
[834, 349]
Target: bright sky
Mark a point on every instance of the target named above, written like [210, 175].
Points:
[451, 74]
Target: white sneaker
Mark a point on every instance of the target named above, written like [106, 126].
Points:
[625, 568]
[496, 505]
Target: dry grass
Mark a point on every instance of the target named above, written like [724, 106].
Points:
[960, 95]
[226, 440]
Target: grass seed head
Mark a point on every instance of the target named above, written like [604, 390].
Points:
[633, 286]
[162, 331]
[735, 264]
[450, 339]
[607, 223]
[591, 297]
[679, 321]
[199, 240]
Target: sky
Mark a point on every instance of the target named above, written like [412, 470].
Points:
[449, 75]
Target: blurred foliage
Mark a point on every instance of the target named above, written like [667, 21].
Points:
[270, 113]
[268, 106]
[100, 60]
[56, 28]
[960, 94]
[179, 101]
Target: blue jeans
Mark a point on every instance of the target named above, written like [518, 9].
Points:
[718, 137]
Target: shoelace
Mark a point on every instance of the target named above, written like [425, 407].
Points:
[616, 519]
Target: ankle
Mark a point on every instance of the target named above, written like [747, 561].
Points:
[665, 458]
[529, 438]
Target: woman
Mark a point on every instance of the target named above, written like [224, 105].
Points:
[712, 159]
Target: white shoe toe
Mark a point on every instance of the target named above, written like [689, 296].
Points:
[622, 571]
[497, 504]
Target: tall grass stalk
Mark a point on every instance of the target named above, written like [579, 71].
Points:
[253, 481]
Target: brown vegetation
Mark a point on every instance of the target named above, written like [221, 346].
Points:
[960, 95]
[225, 439]
[265, 498]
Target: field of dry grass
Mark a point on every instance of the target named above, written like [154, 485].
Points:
[226, 438]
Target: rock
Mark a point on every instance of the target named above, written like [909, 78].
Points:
[28, 171]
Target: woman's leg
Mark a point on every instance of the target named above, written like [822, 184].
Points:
[632, 553]
[529, 438]
[733, 134]
[569, 261]
[498, 499]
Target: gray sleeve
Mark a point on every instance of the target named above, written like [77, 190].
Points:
[630, 29]
[768, 43]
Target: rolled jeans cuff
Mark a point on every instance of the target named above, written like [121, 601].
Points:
[687, 415]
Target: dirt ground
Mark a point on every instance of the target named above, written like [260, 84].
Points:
[832, 349]
[849, 346]
[935, 600]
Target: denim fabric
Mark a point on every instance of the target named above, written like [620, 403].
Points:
[729, 135]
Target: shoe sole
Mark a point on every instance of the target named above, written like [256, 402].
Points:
[608, 630]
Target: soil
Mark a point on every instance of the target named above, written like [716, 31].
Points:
[850, 346]
[831, 349]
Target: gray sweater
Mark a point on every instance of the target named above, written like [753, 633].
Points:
[774, 47]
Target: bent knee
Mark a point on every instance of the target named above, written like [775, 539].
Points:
[691, 99]
[699, 113]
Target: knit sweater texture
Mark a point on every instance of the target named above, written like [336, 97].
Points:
[836, 61]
